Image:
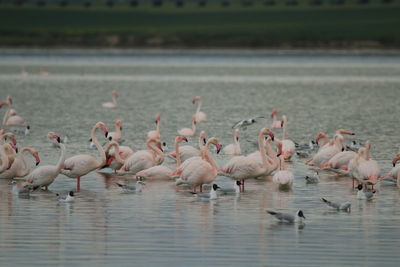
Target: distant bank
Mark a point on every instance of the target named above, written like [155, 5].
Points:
[189, 24]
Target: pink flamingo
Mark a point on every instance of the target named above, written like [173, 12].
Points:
[20, 166]
[80, 165]
[116, 157]
[187, 152]
[155, 133]
[368, 169]
[395, 172]
[200, 116]
[9, 120]
[113, 104]
[143, 159]
[325, 139]
[6, 160]
[233, 149]
[160, 172]
[284, 178]
[188, 131]
[288, 146]
[276, 124]
[199, 171]
[340, 161]
[252, 166]
[328, 151]
[117, 135]
[44, 176]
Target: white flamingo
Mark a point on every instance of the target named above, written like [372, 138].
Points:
[113, 104]
[187, 151]
[234, 148]
[117, 135]
[80, 165]
[284, 178]
[155, 133]
[20, 166]
[188, 131]
[288, 146]
[200, 116]
[9, 120]
[276, 124]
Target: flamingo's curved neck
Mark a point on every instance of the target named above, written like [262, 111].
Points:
[114, 99]
[262, 149]
[206, 155]
[154, 148]
[158, 127]
[118, 130]
[116, 152]
[26, 166]
[98, 146]
[284, 132]
[273, 118]
[6, 115]
[201, 142]
[3, 158]
[193, 126]
[366, 156]
[198, 107]
[178, 156]
[271, 153]
[281, 163]
[61, 160]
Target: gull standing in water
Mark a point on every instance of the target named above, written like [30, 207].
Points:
[346, 206]
[287, 217]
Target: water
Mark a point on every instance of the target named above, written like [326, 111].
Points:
[164, 225]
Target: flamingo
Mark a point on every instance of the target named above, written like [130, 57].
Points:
[113, 161]
[288, 146]
[80, 165]
[276, 124]
[251, 166]
[325, 139]
[284, 178]
[20, 166]
[113, 104]
[199, 171]
[9, 120]
[340, 161]
[187, 152]
[188, 131]
[44, 176]
[117, 135]
[368, 169]
[6, 160]
[233, 149]
[328, 151]
[160, 172]
[200, 116]
[395, 172]
[156, 133]
[143, 159]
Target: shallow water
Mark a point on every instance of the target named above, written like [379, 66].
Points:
[165, 225]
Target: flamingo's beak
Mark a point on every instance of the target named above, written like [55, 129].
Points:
[36, 155]
[185, 139]
[272, 135]
[282, 122]
[58, 139]
[3, 103]
[219, 147]
[394, 161]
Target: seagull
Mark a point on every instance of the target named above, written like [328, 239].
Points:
[244, 123]
[346, 206]
[234, 190]
[364, 195]
[312, 179]
[25, 132]
[132, 188]
[287, 217]
[67, 198]
[211, 196]
[354, 146]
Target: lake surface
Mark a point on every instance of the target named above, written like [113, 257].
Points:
[164, 224]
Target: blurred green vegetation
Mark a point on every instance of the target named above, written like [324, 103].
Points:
[307, 23]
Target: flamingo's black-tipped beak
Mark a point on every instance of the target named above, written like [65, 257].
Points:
[58, 140]
[106, 134]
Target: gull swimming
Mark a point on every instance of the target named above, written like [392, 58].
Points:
[244, 123]
[211, 196]
[68, 198]
[233, 190]
[132, 188]
[346, 206]
[312, 179]
[364, 195]
[287, 217]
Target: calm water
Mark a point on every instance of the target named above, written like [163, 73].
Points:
[164, 225]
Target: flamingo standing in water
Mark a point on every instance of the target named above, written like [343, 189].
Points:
[8, 119]
[7, 156]
[155, 133]
[187, 152]
[340, 161]
[199, 171]
[395, 172]
[233, 149]
[44, 176]
[116, 157]
[284, 178]
[20, 166]
[113, 104]
[143, 159]
[117, 135]
[251, 166]
[288, 146]
[328, 151]
[276, 124]
[80, 165]
[188, 131]
[325, 140]
[368, 169]
[200, 116]
[160, 172]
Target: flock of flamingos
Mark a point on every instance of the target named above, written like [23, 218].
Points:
[194, 165]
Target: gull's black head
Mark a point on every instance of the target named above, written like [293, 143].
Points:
[238, 183]
[215, 187]
[28, 127]
[58, 139]
[253, 120]
[71, 193]
[110, 138]
[360, 187]
[106, 134]
[164, 144]
[300, 214]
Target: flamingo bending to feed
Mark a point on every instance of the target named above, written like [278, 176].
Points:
[233, 149]
[276, 124]
[20, 166]
[340, 161]
[117, 135]
[116, 155]
[251, 166]
[113, 104]
[8, 119]
[328, 151]
[199, 171]
[80, 165]
[7, 156]
[368, 169]
[188, 131]
[44, 176]
[187, 152]
[325, 139]
[155, 133]
[284, 178]
[200, 116]
[143, 159]
[160, 172]
[288, 146]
